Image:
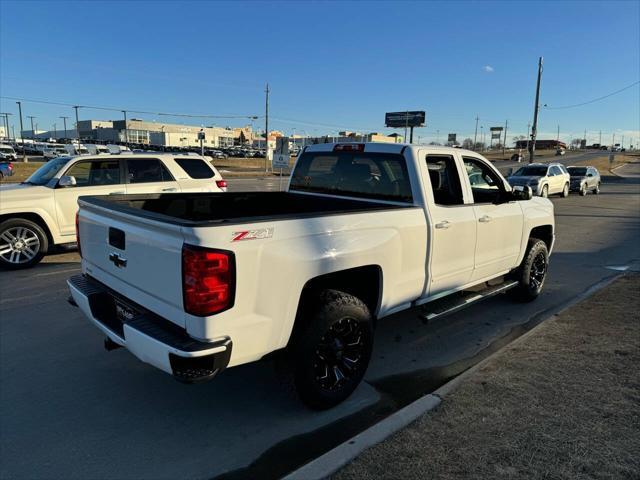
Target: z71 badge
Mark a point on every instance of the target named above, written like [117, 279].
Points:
[252, 234]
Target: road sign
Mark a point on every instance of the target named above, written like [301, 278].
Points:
[281, 155]
[201, 135]
[452, 137]
[404, 119]
[496, 129]
[496, 135]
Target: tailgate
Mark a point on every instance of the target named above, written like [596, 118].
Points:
[140, 259]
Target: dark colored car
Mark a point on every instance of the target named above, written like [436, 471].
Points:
[584, 179]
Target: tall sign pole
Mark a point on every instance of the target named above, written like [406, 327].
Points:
[534, 127]
[504, 143]
[24, 154]
[64, 120]
[77, 123]
[475, 135]
[266, 130]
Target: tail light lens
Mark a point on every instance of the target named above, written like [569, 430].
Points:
[208, 280]
[349, 147]
[78, 233]
[221, 183]
[10, 166]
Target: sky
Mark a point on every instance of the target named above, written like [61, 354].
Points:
[331, 66]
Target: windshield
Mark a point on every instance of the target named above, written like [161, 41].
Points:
[6, 149]
[577, 171]
[47, 171]
[531, 171]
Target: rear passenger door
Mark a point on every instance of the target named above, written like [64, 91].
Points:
[453, 225]
[149, 175]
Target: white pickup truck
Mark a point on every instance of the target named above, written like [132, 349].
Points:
[40, 212]
[195, 283]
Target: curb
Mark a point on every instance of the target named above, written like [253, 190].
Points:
[330, 462]
[338, 457]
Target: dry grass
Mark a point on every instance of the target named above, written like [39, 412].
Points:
[562, 403]
[22, 171]
[602, 162]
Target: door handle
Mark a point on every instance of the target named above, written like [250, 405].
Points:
[444, 224]
[119, 192]
[170, 189]
[485, 219]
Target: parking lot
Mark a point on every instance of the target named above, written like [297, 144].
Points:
[82, 412]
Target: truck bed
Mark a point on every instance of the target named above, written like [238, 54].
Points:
[202, 209]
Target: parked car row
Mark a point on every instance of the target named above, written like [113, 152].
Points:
[546, 179]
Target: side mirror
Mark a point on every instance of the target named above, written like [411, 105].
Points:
[522, 192]
[67, 181]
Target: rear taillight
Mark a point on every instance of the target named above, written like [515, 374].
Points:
[208, 280]
[221, 183]
[10, 166]
[78, 232]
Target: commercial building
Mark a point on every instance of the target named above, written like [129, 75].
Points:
[542, 144]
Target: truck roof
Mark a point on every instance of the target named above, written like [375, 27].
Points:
[380, 147]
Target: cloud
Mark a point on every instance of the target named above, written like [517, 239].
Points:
[488, 68]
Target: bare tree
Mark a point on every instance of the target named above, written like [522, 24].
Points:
[467, 143]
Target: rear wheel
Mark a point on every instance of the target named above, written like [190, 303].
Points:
[532, 271]
[565, 191]
[330, 348]
[23, 243]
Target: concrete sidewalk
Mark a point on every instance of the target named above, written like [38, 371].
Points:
[562, 402]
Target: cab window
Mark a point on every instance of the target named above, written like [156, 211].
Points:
[486, 186]
[147, 170]
[444, 179]
[93, 173]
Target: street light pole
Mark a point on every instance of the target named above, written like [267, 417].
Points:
[534, 128]
[64, 119]
[76, 107]
[6, 124]
[55, 132]
[266, 129]
[475, 135]
[33, 132]
[126, 129]
[24, 155]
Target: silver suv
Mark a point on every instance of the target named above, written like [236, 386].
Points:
[544, 179]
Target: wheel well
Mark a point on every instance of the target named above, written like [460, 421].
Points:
[362, 282]
[34, 217]
[544, 233]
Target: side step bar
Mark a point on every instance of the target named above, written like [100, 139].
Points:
[457, 301]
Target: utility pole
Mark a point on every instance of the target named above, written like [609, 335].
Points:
[585, 138]
[613, 140]
[64, 119]
[534, 128]
[126, 129]
[266, 129]
[6, 123]
[600, 140]
[55, 131]
[438, 137]
[528, 129]
[24, 155]
[558, 137]
[76, 107]
[504, 144]
[475, 135]
[33, 132]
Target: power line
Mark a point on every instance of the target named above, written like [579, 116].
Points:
[120, 109]
[594, 100]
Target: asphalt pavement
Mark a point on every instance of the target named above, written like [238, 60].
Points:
[69, 409]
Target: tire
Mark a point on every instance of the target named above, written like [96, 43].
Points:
[583, 190]
[545, 191]
[597, 189]
[330, 348]
[23, 243]
[532, 272]
[565, 191]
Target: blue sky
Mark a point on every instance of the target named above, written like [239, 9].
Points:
[331, 65]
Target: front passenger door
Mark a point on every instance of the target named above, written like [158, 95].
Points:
[149, 175]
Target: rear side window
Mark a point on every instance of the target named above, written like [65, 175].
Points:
[381, 176]
[195, 167]
[445, 181]
[147, 170]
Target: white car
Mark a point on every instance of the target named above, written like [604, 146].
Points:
[544, 179]
[7, 153]
[52, 152]
[195, 283]
[40, 212]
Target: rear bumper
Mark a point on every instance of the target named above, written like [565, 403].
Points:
[151, 338]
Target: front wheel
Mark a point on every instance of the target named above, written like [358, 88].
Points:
[583, 190]
[565, 191]
[532, 271]
[23, 243]
[597, 189]
[330, 348]
[545, 191]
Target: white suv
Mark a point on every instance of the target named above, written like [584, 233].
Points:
[544, 179]
[40, 212]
